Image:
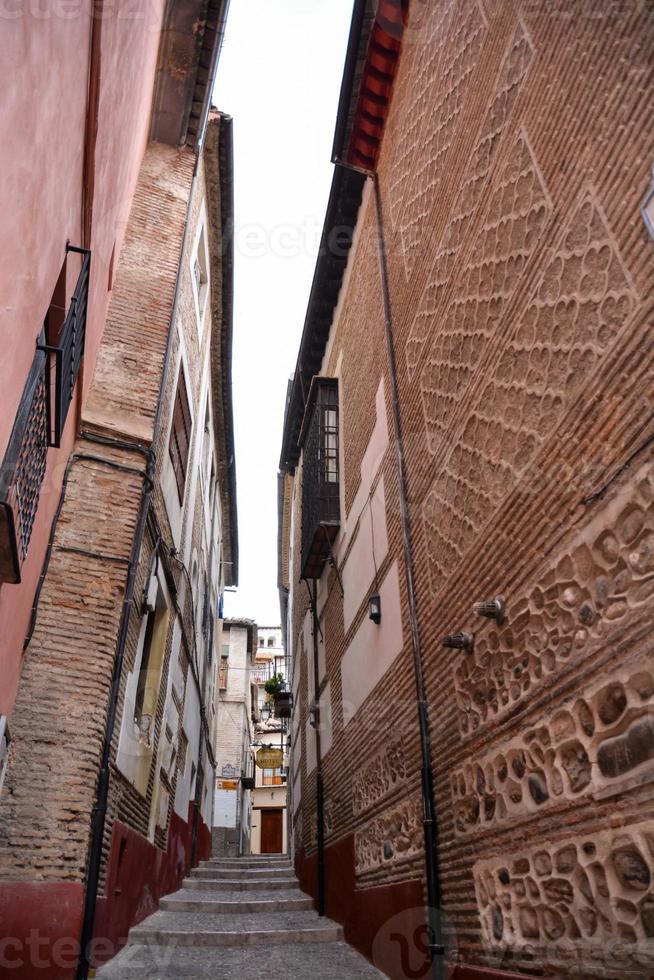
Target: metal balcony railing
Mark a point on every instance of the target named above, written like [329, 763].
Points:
[23, 470]
[66, 349]
[39, 422]
[320, 477]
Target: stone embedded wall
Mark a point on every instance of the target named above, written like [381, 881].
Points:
[515, 160]
[589, 890]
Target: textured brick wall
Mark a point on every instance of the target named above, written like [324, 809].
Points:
[60, 711]
[515, 160]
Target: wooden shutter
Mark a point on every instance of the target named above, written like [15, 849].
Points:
[180, 436]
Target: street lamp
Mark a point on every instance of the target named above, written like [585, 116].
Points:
[265, 712]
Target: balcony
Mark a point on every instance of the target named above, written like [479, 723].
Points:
[65, 346]
[40, 420]
[321, 518]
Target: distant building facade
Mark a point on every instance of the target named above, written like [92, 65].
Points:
[470, 418]
[108, 791]
[235, 705]
[269, 799]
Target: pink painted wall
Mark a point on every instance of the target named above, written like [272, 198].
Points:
[44, 66]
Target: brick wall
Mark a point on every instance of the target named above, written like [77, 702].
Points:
[515, 160]
[45, 811]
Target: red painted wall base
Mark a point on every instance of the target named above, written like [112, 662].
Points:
[138, 875]
[40, 924]
[40, 921]
[385, 923]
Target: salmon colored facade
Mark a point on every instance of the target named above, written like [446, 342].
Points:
[106, 789]
[77, 140]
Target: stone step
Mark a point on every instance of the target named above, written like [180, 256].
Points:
[245, 874]
[301, 961]
[244, 865]
[187, 900]
[253, 859]
[234, 929]
[221, 884]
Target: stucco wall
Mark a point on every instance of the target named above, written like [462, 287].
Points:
[41, 199]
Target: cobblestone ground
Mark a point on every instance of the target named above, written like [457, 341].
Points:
[239, 918]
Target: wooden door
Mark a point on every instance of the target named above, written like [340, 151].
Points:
[272, 831]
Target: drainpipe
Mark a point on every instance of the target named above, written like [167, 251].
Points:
[320, 795]
[88, 171]
[430, 826]
[99, 814]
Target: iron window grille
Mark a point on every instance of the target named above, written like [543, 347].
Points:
[41, 417]
[65, 347]
[320, 476]
[23, 470]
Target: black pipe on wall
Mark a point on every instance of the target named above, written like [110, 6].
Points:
[430, 826]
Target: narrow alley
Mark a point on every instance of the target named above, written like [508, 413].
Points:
[327, 489]
[228, 912]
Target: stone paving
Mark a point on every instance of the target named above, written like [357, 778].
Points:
[240, 919]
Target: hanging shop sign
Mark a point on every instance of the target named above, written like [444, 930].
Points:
[269, 758]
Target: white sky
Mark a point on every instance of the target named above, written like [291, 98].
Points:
[279, 77]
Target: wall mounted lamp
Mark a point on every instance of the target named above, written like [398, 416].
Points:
[313, 715]
[374, 608]
[264, 714]
[460, 641]
[491, 609]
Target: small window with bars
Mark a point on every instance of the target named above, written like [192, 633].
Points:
[180, 435]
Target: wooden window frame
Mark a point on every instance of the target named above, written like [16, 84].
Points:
[181, 431]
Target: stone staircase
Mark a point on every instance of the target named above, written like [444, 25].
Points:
[238, 917]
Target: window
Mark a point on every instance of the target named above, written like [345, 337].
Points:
[224, 670]
[22, 472]
[201, 274]
[149, 672]
[262, 642]
[207, 472]
[180, 435]
[142, 685]
[210, 630]
[183, 749]
[272, 777]
[320, 480]
[271, 641]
